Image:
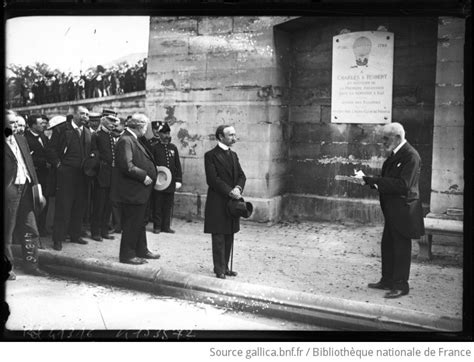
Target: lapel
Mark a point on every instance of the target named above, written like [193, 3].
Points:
[22, 147]
[222, 157]
[8, 150]
[139, 145]
[393, 160]
[87, 140]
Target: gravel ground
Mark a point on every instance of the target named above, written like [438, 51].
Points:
[331, 259]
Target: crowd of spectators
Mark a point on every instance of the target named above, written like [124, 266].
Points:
[100, 82]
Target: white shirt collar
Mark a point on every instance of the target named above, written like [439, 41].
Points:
[223, 146]
[34, 133]
[74, 125]
[134, 135]
[399, 146]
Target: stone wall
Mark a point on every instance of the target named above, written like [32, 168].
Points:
[447, 186]
[319, 149]
[207, 71]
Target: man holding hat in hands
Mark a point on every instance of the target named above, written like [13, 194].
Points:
[226, 181]
[170, 176]
[135, 174]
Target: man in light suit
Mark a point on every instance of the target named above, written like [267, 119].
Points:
[19, 179]
[37, 142]
[226, 181]
[135, 174]
[401, 206]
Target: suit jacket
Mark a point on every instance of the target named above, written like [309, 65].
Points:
[38, 154]
[399, 192]
[105, 150]
[159, 154]
[222, 175]
[60, 142]
[133, 163]
[11, 166]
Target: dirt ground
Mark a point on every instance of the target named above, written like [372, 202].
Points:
[332, 259]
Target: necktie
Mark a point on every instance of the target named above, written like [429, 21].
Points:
[79, 132]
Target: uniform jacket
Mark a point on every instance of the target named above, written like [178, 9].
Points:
[399, 192]
[222, 175]
[38, 154]
[159, 153]
[133, 163]
[11, 166]
[104, 147]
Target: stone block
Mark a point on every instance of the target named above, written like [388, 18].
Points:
[261, 187]
[448, 158]
[316, 208]
[194, 175]
[215, 25]
[448, 137]
[189, 205]
[245, 24]
[172, 45]
[449, 116]
[177, 63]
[305, 114]
[415, 57]
[311, 60]
[313, 78]
[449, 95]
[160, 28]
[447, 181]
[440, 202]
[451, 50]
[450, 73]
[212, 95]
[310, 96]
[451, 27]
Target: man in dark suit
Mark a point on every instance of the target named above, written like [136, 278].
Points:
[69, 146]
[37, 142]
[400, 201]
[104, 143]
[165, 154]
[226, 181]
[19, 179]
[135, 174]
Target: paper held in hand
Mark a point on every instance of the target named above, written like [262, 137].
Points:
[353, 178]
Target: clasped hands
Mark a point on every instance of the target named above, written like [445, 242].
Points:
[235, 193]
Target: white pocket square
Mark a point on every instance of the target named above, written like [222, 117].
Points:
[399, 164]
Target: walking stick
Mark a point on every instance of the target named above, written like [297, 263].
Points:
[231, 255]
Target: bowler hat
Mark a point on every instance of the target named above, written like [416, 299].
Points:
[163, 179]
[239, 208]
[91, 165]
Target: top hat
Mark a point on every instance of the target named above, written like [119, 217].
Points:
[239, 208]
[163, 179]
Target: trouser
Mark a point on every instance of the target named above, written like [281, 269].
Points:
[71, 196]
[162, 206]
[101, 210]
[116, 216]
[221, 247]
[133, 242]
[396, 257]
[19, 215]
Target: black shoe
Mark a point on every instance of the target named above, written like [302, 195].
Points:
[96, 238]
[156, 231]
[57, 245]
[12, 276]
[117, 231]
[379, 285]
[36, 272]
[220, 276]
[231, 273]
[396, 293]
[133, 261]
[108, 237]
[150, 255]
[79, 241]
[169, 231]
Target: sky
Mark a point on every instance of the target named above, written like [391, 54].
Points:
[71, 42]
